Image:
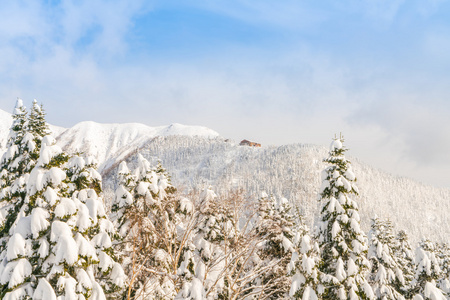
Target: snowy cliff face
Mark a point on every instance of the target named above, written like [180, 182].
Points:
[197, 156]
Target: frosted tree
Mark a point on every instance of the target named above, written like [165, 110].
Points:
[385, 271]
[404, 257]
[244, 268]
[15, 164]
[22, 152]
[37, 125]
[85, 186]
[304, 265]
[342, 243]
[50, 252]
[428, 273]
[156, 237]
[123, 199]
[226, 262]
[207, 260]
[443, 255]
[275, 228]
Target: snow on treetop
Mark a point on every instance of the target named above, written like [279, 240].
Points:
[336, 144]
[19, 106]
[36, 106]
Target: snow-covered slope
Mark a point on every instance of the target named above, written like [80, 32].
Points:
[110, 143]
[293, 171]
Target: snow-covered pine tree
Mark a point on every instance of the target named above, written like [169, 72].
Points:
[385, 272]
[304, 265]
[123, 200]
[202, 267]
[50, 253]
[85, 186]
[156, 238]
[342, 243]
[37, 125]
[427, 274]
[404, 257]
[24, 144]
[15, 166]
[274, 227]
[443, 255]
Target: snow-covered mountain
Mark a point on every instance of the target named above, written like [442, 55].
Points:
[197, 156]
[111, 143]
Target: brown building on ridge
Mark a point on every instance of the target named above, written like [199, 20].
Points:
[248, 143]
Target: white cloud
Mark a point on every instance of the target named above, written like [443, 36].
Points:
[297, 93]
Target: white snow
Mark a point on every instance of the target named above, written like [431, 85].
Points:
[335, 145]
[84, 247]
[16, 247]
[44, 291]
[66, 250]
[39, 221]
[66, 207]
[21, 271]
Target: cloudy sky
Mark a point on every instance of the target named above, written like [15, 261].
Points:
[275, 72]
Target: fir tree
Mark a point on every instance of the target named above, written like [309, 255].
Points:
[275, 228]
[15, 163]
[386, 275]
[443, 255]
[153, 242]
[85, 185]
[427, 274]
[343, 244]
[15, 167]
[203, 264]
[61, 244]
[37, 125]
[404, 257]
[304, 265]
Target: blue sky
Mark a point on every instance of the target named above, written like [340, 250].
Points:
[276, 72]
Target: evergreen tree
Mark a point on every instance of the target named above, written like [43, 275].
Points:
[152, 227]
[15, 164]
[443, 255]
[123, 200]
[61, 243]
[85, 185]
[37, 125]
[304, 266]
[386, 274]
[203, 264]
[343, 244]
[15, 167]
[23, 150]
[427, 274]
[404, 257]
[275, 228]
